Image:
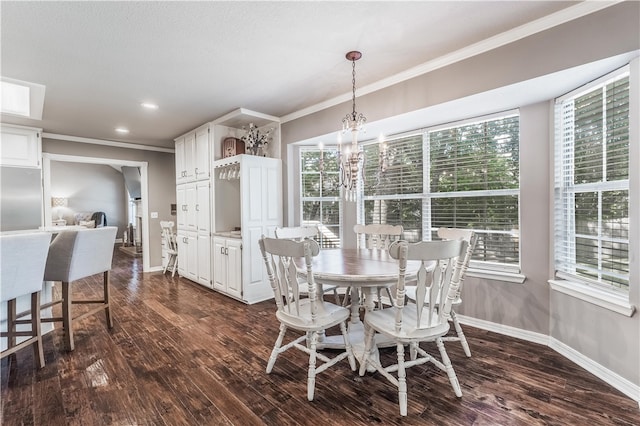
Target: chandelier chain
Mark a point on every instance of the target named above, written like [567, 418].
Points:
[353, 86]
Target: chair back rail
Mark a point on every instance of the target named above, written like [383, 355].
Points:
[377, 236]
[278, 255]
[441, 284]
[297, 232]
[461, 234]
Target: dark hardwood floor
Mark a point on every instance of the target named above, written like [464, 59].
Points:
[180, 354]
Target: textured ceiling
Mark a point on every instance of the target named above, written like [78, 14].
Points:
[201, 60]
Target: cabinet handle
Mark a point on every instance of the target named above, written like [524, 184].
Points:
[197, 207]
[196, 171]
[221, 250]
[226, 251]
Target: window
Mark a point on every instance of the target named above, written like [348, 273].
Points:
[592, 183]
[393, 185]
[320, 193]
[464, 176]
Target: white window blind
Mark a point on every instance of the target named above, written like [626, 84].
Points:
[464, 176]
[474, 181]
[393, 185]
[320, 194]
[592, 183]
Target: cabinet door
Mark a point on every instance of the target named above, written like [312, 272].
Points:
[180, 169]
[219, 265]
[203, 208]
[191, 198]
[20, 147]
[204, 260]
[190, 157]
[234, 267]
[202, 164]
[183, 254]
[192, 256]
[181, 206]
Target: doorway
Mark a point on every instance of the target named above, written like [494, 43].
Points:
[144, 202]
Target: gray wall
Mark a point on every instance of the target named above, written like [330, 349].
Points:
[161, 177]
[90, 188]
[609, 339]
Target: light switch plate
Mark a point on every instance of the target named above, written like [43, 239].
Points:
[154, 215]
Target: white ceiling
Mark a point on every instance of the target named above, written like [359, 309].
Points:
[201, 60]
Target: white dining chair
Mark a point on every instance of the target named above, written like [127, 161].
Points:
[22, 261]
[310, 315]
[299, 233]
[411, 324]
[171, 246]
[470, 237]
[378, 236]
[79, 254]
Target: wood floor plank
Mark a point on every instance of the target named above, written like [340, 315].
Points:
[181, 354]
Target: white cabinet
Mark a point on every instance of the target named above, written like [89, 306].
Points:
[248, 197]
[194, 231]
[227, 264]
[20, 146]
[187, 254]
[192, 153]
[201, 152]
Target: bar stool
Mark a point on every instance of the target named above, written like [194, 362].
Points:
[22, 262]
[79, 254]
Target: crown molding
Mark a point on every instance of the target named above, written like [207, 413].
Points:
[107, 143]
[558, 18]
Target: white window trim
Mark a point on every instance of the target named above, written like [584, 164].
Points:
[511, 277]
[613, 301]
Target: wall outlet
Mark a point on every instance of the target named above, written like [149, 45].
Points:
[154, 215]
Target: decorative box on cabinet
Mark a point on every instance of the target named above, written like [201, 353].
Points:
[20, 146]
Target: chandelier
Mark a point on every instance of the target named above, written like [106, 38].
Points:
[351, 163]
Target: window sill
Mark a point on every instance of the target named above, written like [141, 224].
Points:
[511, 277]
[605, 299]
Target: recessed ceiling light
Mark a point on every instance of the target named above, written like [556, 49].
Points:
[149, 105]
[122, 130]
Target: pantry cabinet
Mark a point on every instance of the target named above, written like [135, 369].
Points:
[224, 205]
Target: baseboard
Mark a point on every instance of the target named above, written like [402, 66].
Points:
[623, 385]
[614, 379]
[518, 333]
[155, 269]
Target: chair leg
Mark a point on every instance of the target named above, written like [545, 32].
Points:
[66, 315]
[347, 292]
[276, 348]
[449, 368]
[463, 339]
[368, 347]
[107, 299]
[175, 265]
[413, 350]
[402, 381]
[311, 375]
[347, 346]
[38, 352]
[336, 296]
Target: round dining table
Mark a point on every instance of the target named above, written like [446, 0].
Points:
[358, 269]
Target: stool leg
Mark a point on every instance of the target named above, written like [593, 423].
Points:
[11, 323]
[107, 294]
[66, 315]
[38, 352]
